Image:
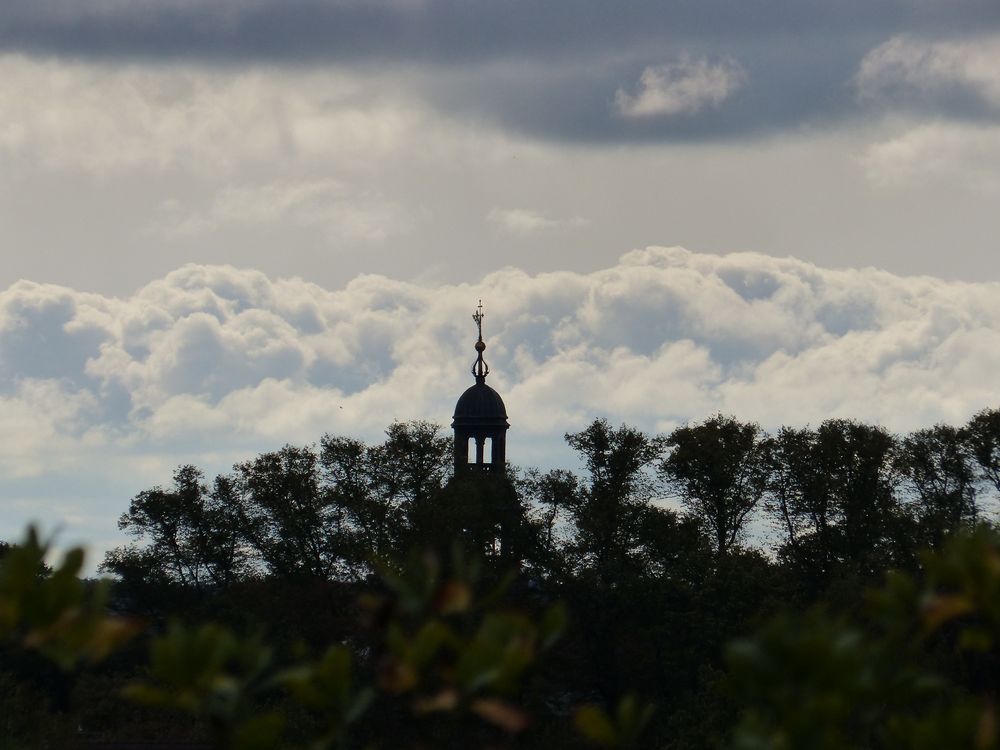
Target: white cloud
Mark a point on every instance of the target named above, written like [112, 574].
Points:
[949, 76]
[526, 221]
[662, 336]
[965, 156]
[43, 425]
[211, 364]
[904, 66]
[109, 119]
[685, 87]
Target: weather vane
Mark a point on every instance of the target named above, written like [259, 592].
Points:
[478, 317]
[479, 368]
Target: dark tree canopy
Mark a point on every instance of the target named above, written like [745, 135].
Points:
[938, 466]
[719, 470]
[983, 434]
[655, 588]
[607, 512]
[834, 491]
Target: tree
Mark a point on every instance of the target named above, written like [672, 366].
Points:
[833, 491]
[481, 515]
[607, 513]
[287, 517]
[382, 488]
[939, 468]
[416, 459]
[189, 535]
[630, 567]
[372, 518]
[551, 496]
[719, 470]
[984, 439]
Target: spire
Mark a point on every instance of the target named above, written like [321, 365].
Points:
[479, 368]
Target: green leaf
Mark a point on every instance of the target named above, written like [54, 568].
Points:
[553, 626]
[593, 723]
[259, 733]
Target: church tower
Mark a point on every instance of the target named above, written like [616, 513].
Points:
[480, 421]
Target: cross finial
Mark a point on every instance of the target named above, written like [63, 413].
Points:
[478, 317]
[479, 368]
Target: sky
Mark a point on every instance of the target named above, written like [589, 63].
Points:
[230, 225]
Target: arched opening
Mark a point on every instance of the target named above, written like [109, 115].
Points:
[488, 450]
[470, 451]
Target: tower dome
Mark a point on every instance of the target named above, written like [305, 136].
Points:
[480, 418]
[480, 404]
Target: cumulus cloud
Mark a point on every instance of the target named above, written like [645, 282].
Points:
[211, 353]
[685, 87]
[211, 364]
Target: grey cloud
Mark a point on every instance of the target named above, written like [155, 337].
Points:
[552, 70]
[205, 358]
[783, 83]
[960, 76]
[42, 337]
[441, 30]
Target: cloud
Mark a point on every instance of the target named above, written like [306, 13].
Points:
[685, 87]
[526, 221]
[943, 101]
[340, 211]
[908, 70]
[214, 353]
[964, 156]
[44, 423]
[548, 69]
[109, 119]
[434, 31]
[212, 364]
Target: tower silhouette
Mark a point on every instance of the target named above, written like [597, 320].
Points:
[480, 421]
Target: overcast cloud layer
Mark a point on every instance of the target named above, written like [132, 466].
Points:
[588, 71]
[211, 363]
[550, 69]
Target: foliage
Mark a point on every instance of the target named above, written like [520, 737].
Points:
[55, 613]
[622, 729]
[834, 491]
[608, 509]
[719, 470]
[983, 435]
[190, 534]
[939, 465]
[439, 649]
[918, 671]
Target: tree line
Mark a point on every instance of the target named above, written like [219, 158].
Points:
[667, 552]
[843, 497]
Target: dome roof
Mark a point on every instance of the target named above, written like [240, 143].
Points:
[480, 405]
